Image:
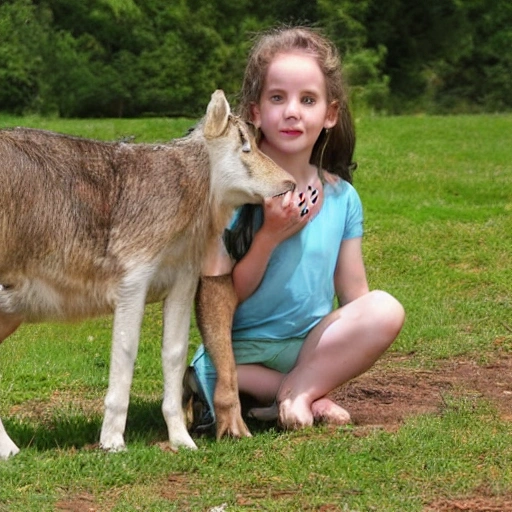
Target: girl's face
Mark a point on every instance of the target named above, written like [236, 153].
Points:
[293, 107]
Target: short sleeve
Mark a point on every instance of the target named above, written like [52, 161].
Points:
[354, 219]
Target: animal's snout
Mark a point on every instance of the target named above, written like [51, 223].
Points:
[289, 186]
[292, 186]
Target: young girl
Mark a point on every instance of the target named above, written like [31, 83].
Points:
[294, 254]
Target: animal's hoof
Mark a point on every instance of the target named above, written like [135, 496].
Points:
[9, 450]
[179, 446]
[113, 445]
[182, 441]
[113, 449]
[232, 426]
[178, 434]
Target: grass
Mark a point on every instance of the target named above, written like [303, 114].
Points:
[437, 193]
[138, 130]
[438, 196]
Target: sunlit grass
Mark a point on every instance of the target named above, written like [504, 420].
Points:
[133, 130]
[437, 193]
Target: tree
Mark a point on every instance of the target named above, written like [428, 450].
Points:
[23, 33]
[479, 77]
[416, 36]
[364, 67]
[144, 57]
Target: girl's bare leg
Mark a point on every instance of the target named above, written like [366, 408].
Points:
[342, 346]
[260, 382]
[263, 384]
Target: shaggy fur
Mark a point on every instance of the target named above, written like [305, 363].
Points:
[89, 228]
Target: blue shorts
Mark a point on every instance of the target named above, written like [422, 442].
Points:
[280, 355]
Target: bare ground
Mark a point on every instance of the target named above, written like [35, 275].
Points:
[387, 395]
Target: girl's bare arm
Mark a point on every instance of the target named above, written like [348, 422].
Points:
[282, 219]
[350, 276]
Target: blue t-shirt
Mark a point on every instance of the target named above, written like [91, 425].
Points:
[297, 289]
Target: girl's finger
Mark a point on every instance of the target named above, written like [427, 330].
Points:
[286, 199]
[310, 207]
[313, 196]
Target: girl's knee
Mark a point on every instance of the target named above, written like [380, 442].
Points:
[388, 313]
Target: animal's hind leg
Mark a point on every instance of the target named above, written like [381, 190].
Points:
[7, 446]
[8, 324]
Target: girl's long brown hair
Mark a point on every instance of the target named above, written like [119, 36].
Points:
[334, 149]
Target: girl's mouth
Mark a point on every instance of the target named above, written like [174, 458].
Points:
[291, 133]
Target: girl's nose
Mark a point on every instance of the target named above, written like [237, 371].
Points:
[292, 109]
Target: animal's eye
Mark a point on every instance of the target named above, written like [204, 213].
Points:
[246, 144]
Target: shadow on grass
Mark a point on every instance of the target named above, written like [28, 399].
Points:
[66, 431]
[254, 426]
[145, 423]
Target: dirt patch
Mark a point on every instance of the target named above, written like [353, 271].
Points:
[82, 503]
[471, 505]
[386, 396]
[72, 401]
[179, 487]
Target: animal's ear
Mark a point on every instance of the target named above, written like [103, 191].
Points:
[217, 115]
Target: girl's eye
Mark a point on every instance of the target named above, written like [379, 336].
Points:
[276, 98]
[308, 100]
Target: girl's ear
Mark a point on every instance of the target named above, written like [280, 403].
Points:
[255, 115]
[331, 117]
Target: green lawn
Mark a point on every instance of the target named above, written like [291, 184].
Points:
[437, 193]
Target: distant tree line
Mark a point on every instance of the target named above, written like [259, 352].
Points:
[105, 58]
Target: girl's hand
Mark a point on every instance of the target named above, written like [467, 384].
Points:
[286, 215]
[283, 217]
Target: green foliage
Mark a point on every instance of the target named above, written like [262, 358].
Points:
[479, 77]
[369, 87]
[127, 58]
[22, 32]
[415, 35]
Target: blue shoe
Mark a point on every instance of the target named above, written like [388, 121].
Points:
[200, 416]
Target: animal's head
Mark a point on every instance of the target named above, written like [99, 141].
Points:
[241, 173]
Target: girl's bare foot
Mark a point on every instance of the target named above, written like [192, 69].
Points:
[326, 411]
[295, 414]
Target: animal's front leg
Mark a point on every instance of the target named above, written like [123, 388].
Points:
[215, 306]
[177, 310]
[125, 343]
